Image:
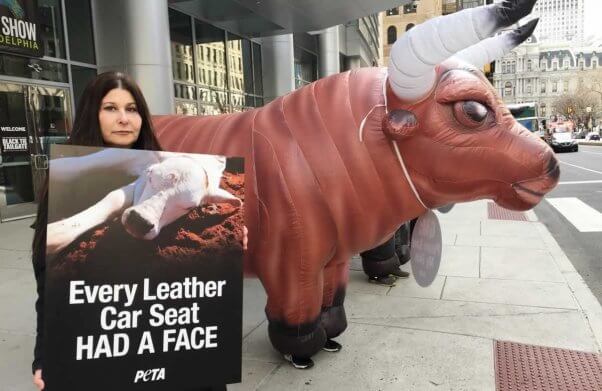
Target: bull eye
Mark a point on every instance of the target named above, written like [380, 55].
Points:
[470, 113]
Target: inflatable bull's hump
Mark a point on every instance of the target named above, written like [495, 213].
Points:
[336, 166]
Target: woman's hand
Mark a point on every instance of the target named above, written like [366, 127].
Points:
[37, 379]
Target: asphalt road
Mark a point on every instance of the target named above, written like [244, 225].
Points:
[584, 249]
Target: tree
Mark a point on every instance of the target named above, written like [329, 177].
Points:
[574, 106]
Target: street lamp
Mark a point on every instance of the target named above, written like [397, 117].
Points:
[588, 110]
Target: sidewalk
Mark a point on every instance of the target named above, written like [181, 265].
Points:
[499, 280]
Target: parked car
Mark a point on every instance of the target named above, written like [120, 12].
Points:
[561, 140]
[592, 136]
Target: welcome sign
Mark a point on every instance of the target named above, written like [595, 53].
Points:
[19, 30]
[143, 270]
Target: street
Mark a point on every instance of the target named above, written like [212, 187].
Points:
[573, 212]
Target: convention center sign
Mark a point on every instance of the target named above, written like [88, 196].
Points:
[143, 270]
[19, 29]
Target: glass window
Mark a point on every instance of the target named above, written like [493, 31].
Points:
[81, 77]
[508, 89]
[184, 91]
[393, 11]
[79, 27]
[391, 35]
[409, 26]
[32, 68]
[50, 21]
[257, 71]
[241, 66]
[410, 8]
[211, 53]
[306, 69]
[180, 31]
[186, 108]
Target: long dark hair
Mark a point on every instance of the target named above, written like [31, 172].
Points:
[86, 131]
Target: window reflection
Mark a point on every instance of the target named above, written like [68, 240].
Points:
[306, 67]
[180, 29]
[32, 68]
[50, 21]
[222, 76]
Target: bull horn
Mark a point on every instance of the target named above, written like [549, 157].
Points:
[496, 47]
[413, 57]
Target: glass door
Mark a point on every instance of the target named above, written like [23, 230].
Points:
[16, 190]
[31, 118]
[50, 109]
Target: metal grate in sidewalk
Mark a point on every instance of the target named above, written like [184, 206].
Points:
[520, 367]
[496, 212]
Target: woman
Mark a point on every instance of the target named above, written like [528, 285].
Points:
[112, 112]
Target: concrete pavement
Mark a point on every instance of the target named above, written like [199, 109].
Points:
[504, 280]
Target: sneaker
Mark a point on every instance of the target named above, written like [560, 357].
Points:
[383, 280]
[332, 346]
[400, 273]
[298, 362]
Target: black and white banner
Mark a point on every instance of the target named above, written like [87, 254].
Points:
[144, 270]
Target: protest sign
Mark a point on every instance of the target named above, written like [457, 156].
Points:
[144, 270]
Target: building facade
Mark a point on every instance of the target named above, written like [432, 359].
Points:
[560, 21]
[190, 57]
[398, 20]
[541, 73]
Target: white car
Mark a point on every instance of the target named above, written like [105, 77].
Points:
[563, 141]
[593, 136]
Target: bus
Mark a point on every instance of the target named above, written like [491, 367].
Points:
[527, 114]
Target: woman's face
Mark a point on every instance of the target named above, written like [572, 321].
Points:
[119, 119]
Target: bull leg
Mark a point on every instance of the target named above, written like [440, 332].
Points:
[332, 318]
[297, 341]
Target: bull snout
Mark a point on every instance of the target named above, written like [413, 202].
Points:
[531, 191]
[137, 225]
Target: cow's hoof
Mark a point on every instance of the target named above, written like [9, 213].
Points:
[334, 320]
[332, 346]
[302, 341]
[298, 362]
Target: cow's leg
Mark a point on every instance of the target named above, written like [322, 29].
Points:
[332, 318]
[62, 233]
[293, 312]
[296, 238]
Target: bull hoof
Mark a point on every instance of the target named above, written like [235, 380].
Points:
[300, 342]
[332, 346]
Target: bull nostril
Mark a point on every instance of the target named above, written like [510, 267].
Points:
[138, 224]
[552, 168]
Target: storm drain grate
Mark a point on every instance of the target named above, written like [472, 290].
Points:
[520, 367]
[496, 212]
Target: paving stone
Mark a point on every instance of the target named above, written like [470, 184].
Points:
[528, 293]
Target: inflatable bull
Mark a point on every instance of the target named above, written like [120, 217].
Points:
[334, 168]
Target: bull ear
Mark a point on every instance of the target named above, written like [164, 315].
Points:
[399, 124]
[221, 196]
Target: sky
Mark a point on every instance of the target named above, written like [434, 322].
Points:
[593, 17]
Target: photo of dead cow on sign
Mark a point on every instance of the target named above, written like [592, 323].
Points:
[144, 269]
[335, 167]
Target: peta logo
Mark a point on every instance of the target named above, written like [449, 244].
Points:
[149, 375]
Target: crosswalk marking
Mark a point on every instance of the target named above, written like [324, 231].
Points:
[583, 168]
[578, 182]
[582, 216]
